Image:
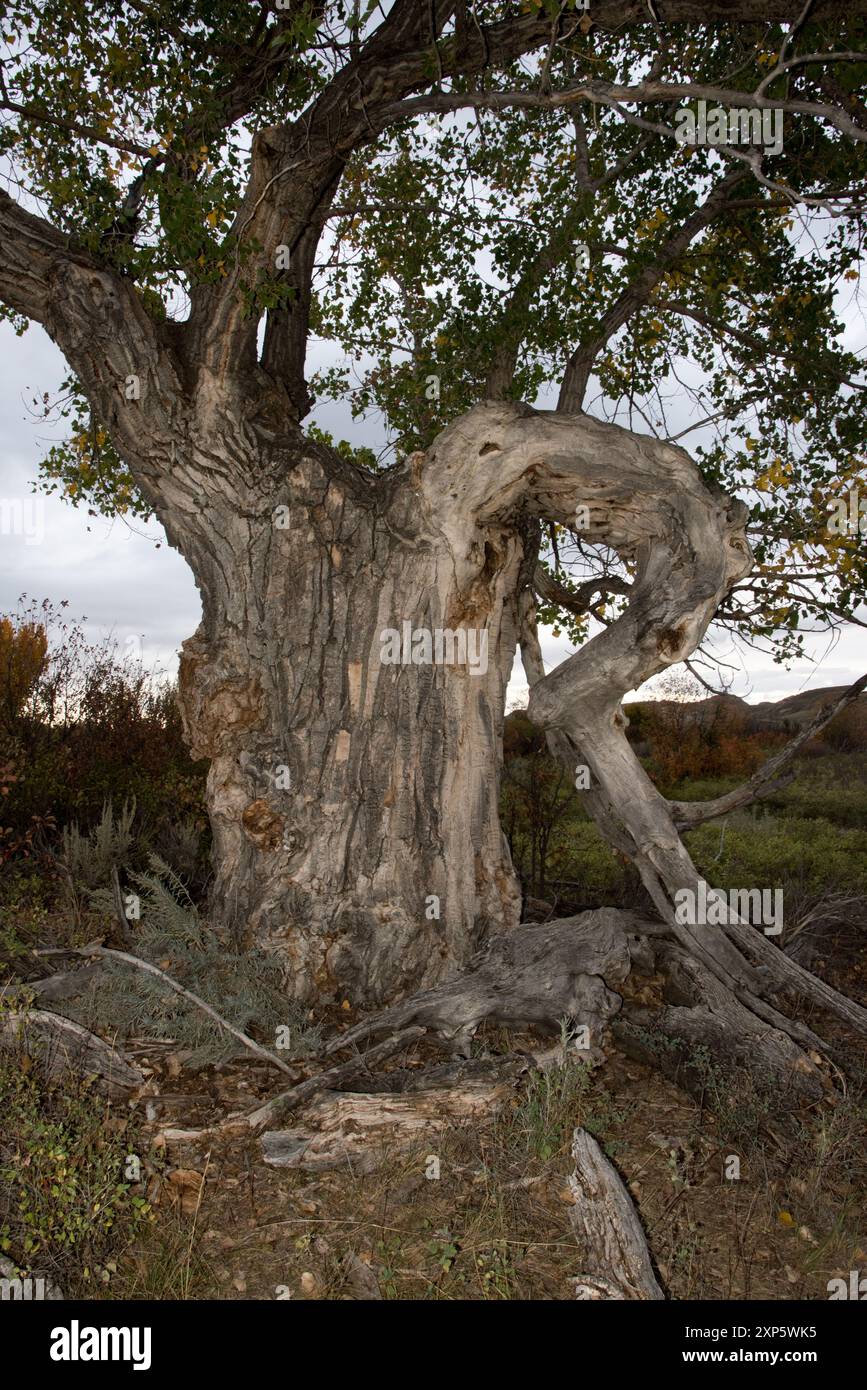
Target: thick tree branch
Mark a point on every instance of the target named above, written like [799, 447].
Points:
[295, 172]
[123, 357]
[296, 168]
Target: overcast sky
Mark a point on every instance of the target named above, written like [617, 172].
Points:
[114, 575]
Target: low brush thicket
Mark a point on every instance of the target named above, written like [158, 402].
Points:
[84, 724]
[243, 986]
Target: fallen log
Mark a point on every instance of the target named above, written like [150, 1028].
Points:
[359, 1130]
[63, 1046]
[575, 971]
[616, 1260]
[299, 1095]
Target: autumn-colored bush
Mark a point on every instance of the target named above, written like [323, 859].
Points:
[683, 746]
[23, 648]
[82, 725]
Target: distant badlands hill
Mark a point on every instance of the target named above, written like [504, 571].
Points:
[790, 713]
[781, 716]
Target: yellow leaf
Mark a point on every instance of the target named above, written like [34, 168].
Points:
[785, 1218]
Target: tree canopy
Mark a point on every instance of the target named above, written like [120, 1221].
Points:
[481, 200]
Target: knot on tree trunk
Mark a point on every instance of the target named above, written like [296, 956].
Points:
[262, 826]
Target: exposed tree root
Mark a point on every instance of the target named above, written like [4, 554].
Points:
[573, 972]
[535, 976]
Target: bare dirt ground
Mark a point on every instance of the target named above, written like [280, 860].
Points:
[494, 1223]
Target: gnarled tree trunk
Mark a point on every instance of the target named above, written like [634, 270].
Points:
[353, 798]
[353, 786]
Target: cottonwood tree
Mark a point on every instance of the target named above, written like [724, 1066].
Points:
[474, 202]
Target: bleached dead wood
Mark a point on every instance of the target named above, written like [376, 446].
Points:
[615, 1258]
[359, 1130]
[688, 546]
[572, 971]
[301, 1094]
[64, 1046]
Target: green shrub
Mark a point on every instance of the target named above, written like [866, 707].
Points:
[65, 1206]
[542, 1124]
[833, 788]
[788, 852]
[244, 987]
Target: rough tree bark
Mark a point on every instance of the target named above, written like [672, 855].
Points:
[343, 791]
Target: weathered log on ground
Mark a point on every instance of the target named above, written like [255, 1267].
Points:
[360, 1131]
[63, 1046]
[303, 1092]
[615, 1258]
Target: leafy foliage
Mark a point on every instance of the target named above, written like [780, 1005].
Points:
[65, 1206]
[473, 249]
